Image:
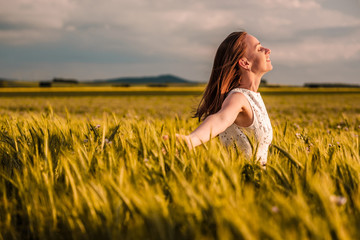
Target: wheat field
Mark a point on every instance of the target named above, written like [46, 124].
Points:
[81, 167]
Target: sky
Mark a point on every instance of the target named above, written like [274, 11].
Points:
[310, 40]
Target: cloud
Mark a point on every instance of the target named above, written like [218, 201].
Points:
[169, 33]
[25, 22]
[291, 4]
[162, 19]
[37, 14]
[330, 72]
[315, 51]
[328, 45]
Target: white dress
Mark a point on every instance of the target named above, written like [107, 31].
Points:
[260, 129]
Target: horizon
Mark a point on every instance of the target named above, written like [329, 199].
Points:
[108, 80]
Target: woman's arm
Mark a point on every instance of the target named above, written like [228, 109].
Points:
[217, 122]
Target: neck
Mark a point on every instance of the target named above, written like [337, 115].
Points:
[250, 81]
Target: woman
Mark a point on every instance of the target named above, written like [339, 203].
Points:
[231, 107]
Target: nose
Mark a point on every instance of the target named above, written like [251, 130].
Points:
[267, 50]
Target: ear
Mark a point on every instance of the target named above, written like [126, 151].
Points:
[244, 63]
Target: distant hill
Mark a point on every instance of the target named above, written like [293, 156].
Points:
[162, 79]
[151, 81]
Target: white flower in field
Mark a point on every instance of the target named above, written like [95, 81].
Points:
[85, 140]
[275, 209]
[97, 126]
[338, 126]
[338, 200]
[107, 141]
[298, 135]
[346, 129]
[146, 160]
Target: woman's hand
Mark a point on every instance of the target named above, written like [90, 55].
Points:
[181, 137]
[185, 138]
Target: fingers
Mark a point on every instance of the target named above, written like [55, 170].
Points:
[184, 138]
[179, 137]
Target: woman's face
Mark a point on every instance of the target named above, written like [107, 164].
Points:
[257, 55]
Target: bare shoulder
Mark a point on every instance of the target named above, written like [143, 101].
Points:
[236, 101]
[236, 98]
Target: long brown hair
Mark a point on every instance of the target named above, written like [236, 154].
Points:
[225, 74]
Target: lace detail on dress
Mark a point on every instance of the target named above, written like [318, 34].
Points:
[260, 129]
